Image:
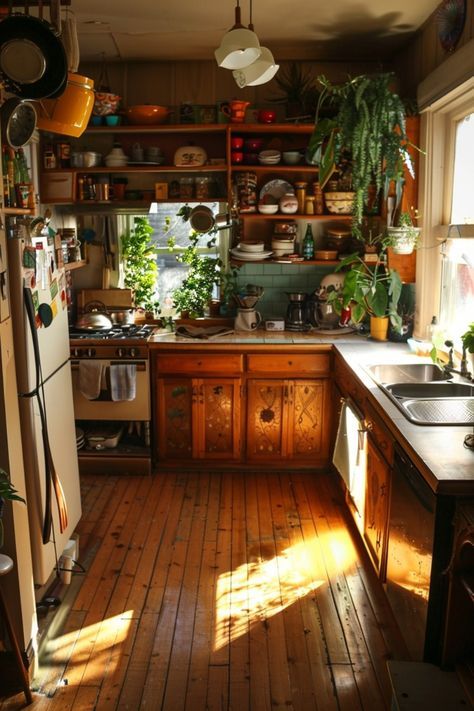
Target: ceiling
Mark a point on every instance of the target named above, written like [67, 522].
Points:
[186, 29]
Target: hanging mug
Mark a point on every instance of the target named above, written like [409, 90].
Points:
[223, 111]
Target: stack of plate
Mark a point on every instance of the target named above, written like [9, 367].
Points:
[269, 157]
[80, 438]
[250, 251]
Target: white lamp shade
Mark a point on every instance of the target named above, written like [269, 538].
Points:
[238, 49]
[259, 72]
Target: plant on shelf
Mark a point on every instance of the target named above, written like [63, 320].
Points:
[371, 124]
[404, 237]
[369, 290]
[7, 493]
[299, 91]
[139, 264]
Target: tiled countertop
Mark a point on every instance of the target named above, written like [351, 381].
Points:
[438, 451]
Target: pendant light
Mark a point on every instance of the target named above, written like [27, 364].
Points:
[239, 47]
[260, 71]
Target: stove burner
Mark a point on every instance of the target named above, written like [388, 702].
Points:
[129, 331]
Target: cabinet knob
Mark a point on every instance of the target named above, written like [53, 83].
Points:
[369, 425]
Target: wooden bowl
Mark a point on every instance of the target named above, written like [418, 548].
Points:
[146, 114]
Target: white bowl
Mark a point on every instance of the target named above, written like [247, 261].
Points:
[267, 209]
[251, 246]
[291, 157]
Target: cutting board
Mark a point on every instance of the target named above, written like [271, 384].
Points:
[109, 297]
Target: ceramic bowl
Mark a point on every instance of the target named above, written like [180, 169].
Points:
[291, 157]
[252, 246]
[339, 203]
[266, 209]
[325, 254]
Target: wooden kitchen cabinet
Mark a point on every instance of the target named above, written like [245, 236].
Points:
[286, 420]
[376, 504]
[198, 418]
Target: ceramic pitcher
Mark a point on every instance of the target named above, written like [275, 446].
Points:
[237, 110]
[247, 320]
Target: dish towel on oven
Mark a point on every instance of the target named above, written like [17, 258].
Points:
[90, 378]
[123, 381]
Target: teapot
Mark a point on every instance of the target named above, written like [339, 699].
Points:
[247, 320]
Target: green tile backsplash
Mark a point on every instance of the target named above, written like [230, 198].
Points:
[277, 279]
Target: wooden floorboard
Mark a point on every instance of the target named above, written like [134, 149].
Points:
[219, 591]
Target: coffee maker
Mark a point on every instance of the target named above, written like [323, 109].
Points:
[296, 313]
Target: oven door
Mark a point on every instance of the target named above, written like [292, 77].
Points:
[104, 408]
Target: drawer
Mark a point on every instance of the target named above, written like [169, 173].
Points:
[348, 383]
[379, 434]
[290, 364]
[195, 364]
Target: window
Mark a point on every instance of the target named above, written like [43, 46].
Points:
[457, 272]
[171, 273]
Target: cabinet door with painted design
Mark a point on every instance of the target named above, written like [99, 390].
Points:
[218, 418]
[266, 418]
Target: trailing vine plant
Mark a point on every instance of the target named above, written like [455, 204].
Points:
[140, 267]
[371, 125]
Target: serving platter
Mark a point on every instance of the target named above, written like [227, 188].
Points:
[276, 188]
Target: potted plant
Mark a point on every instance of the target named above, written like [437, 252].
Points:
[299, 93]
[204, 274]
[140, 267]
[467, 339]
[369, 289]
[7, 492]
[404, 237]
[371, 124]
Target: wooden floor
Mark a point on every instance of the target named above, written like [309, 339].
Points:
[219, 591]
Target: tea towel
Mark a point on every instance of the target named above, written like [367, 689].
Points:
[123, 381]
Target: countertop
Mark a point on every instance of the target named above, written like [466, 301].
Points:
[437, 451]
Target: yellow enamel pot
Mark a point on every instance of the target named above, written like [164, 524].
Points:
[379, 328]
[70, 113]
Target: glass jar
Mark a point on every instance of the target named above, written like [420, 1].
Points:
[186, 188]
[202, 188]
[300, 189]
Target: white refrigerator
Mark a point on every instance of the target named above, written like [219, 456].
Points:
[41, 340]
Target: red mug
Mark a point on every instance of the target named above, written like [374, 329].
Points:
[236, 156]
[265, 115]
[236, 143]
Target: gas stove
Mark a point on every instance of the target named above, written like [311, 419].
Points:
[118, 342]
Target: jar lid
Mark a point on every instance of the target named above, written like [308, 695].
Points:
[339, 231]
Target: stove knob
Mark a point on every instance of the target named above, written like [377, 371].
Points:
[133, 352]
[91, 352]
[77, 352]
[120, 352]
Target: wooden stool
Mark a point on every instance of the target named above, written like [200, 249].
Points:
[6, 564]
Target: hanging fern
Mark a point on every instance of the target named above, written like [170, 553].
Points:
[371, 125]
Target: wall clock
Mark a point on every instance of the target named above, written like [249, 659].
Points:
[450, 18]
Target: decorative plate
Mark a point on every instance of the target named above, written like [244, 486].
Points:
[276, 188]
[450, 16]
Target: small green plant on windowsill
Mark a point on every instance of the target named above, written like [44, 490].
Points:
[203, 276]
[140, 267]
[7, 493]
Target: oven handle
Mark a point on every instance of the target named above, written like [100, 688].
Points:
[141, 365]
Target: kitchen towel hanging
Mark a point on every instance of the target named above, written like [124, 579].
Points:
[350, 444]
[91, 373]
[123, 381]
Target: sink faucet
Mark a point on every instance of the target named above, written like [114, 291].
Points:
[449, 367]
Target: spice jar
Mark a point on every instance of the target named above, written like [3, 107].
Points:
[300, 189]
[186, 188]
[202, 188]
[309, 205]
[318, 199]
[288, 203]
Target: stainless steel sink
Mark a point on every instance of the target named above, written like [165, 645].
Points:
[407, 373]
[424, 394]
[431, 390]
